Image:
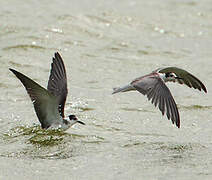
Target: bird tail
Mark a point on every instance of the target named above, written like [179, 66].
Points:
[123, 89]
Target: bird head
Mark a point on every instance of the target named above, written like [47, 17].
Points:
[73, 120]
[170, 76]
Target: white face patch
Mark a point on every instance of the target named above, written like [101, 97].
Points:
[167, 77]
[162, 76]
[171, 77]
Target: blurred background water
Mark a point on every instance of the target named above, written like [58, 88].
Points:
[105, 44]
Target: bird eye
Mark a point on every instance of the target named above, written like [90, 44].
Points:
[167, 75]
[72, 117]
[171, 75]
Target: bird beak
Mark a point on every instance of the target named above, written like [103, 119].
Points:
[81, 122]
[178, 78]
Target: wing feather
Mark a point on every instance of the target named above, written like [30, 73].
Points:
[57, 83]
[186, 78]
[45, 104]
[159, 94]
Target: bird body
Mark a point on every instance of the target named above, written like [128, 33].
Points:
[153, 86]
[49, 103]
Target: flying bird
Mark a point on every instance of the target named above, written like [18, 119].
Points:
[153, 86]
[49, 103]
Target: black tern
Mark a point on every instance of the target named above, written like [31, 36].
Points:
[49, 103]
[153, 86]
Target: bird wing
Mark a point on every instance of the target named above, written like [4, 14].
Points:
[45, 104]
[160, 96]
[57, 84]
[185, 78]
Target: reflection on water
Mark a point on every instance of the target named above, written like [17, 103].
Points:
[167, 146]
[46, 144]
[195, 107]
[137, 109]
[23, 47]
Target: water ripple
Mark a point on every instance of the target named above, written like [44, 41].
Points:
[24, 47]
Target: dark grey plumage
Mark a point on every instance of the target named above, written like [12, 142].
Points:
[153, 86]
[184, 77]
[49, 104]
[57, 83]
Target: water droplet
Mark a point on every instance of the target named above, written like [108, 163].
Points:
[162, 31]
[200, 14]
[182, 35]
[129, 19]
[57, 30]
[200, 33]
[156, 28]
[107, 24]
